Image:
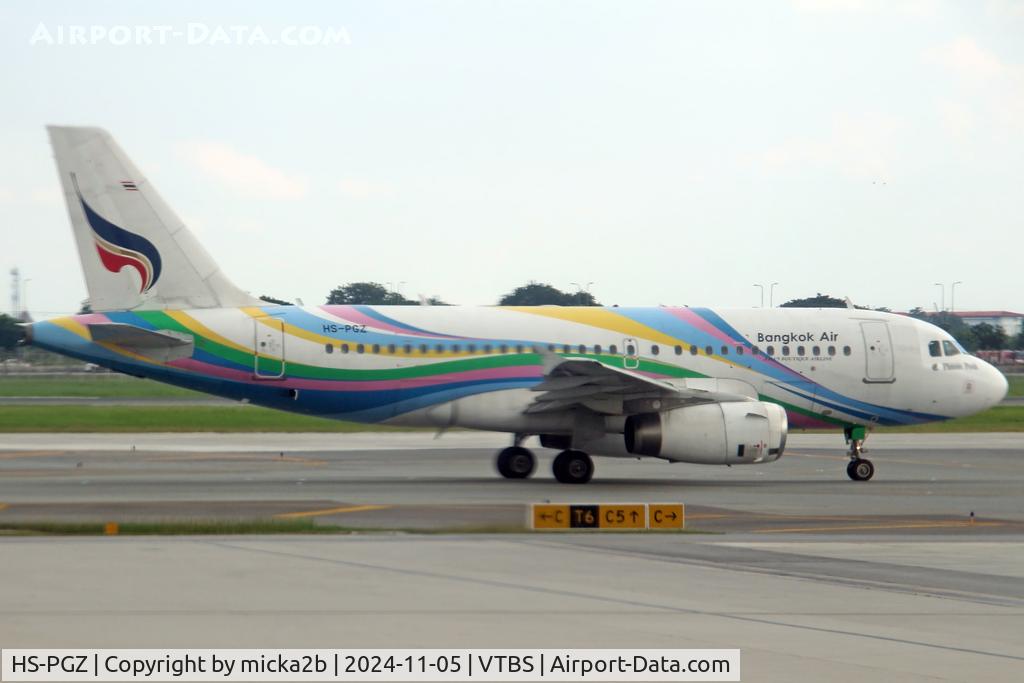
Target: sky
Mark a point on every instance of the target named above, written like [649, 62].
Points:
[671, 153]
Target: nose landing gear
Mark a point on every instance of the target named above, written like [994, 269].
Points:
[859, 468]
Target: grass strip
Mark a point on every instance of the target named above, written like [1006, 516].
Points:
[105, 385]
[113, 419]
[997, 419]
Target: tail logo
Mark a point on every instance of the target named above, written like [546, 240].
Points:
[119, 249]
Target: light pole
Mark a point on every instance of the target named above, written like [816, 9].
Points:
[942, 300]
[24, 298]
[771, 295]
[952, 295]
[761, 287]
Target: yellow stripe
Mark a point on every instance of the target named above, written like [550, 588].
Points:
[331, 511]
[598, 317]
[196, 326]
[73, 326]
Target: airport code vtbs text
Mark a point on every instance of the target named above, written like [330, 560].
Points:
[368, 665]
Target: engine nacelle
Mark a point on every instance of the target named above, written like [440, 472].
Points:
[711, 433]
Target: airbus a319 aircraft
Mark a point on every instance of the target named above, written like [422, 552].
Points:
[696, 385]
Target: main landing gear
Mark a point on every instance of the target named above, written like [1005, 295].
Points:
[859, 469]
[570, 466]
[573, 467]
[516, 462]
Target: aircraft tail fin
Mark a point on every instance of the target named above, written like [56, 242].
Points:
[135, 252]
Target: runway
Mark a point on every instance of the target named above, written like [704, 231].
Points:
[925, 483]
[811, 575]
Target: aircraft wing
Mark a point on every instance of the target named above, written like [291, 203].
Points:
[571, 383]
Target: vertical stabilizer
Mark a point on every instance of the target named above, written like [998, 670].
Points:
[135, 252]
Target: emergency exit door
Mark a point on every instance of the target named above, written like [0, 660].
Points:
[268, 348]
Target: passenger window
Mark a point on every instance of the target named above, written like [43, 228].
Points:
[487, 348]
[581, 349]
[551, 348]
[934, 348]
[950, 348]
[376, 348]
[503, 348]
[360, 348]
[613, 349]
[816, 351]
[846, 351]
[329, 348]
[710, 350]
[679, 350]
[439, 348]
[471, 348]
[391, 348]
[423, 348]
[831, 350]
[344, 348]
[456, 348]
[725, 350]
[655, 350]
[407, 348]
[519, 348]
[771, 350]
[800, 350]
[566, 348]
[693, 350]
[597, 349]
[630, 350]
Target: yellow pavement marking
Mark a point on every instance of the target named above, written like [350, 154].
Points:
[331, 511]
[866, 527]
[13, 455]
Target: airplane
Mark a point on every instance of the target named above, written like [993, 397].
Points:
[694, 385]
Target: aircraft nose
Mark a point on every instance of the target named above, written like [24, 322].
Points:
[993, 385]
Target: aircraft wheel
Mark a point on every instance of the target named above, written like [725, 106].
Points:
[860, 469]
[573, 467]
[516, 462]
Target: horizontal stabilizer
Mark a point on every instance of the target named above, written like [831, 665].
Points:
[159, 345]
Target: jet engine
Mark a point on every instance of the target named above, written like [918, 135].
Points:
[711, 433]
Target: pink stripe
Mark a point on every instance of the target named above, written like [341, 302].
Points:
[801, 421]
[515, 372]
[700, 323]
[91, 318]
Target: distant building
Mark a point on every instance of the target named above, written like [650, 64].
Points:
[1007, 321]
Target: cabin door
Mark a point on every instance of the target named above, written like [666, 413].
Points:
[879, 363]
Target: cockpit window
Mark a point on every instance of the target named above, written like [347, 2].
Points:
[934, 349]
[950, 348]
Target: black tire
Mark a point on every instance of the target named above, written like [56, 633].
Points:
[516, 462]
[860, 469]
[573, 467]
